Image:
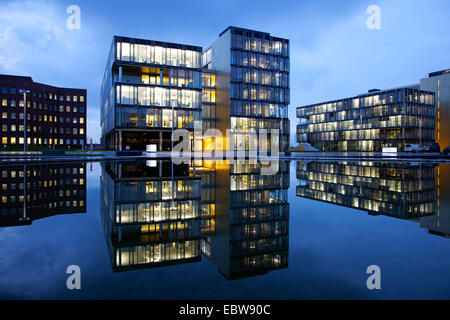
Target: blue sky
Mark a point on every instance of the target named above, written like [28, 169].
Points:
[333, 53]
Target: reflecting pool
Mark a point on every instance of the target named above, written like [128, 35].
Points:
[151, 229]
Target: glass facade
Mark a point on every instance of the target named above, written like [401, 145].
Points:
[242, 86]
[149, 88]
[398, 190]
[156, 213]
[152, 214]
[439, 83]
[391, 118]
[259, 83]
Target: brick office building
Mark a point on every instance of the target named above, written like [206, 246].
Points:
[55, 116]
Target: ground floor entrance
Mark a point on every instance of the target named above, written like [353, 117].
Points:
[139, 139]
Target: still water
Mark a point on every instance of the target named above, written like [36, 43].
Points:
[154, 230]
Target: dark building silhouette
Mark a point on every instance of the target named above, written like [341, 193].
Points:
[31, 192]
[55, 116]
[439, 223]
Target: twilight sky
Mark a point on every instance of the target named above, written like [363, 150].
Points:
[333, 53]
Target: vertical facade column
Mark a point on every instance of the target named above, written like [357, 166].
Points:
[120, 74]
[119, 142]
[160, 141]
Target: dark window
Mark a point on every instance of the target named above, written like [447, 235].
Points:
[13, 90]
[4, 90]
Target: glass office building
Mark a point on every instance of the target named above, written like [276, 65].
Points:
[149, 88]
[399, 190]
[439, 83]
[152, 214]
[252, 221]
[156, 214]
[409, 191]
[252, 85]
[369, 122]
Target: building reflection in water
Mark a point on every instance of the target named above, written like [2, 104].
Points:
[395, 189]
[156, 213]
[31, 192]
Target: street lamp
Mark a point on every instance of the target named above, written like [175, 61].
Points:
[24, 118]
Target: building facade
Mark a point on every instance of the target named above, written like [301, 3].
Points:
[156, 214]
[240, 83]
[30, 192]
[149, 88]
[398, 190]
[439, 83]
[252, 85]
[369, 122]
[55, 116]
[153, 214]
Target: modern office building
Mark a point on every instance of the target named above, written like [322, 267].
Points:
[54, 116]
[155, 214]
[439, 83]
[399, 190]
[439, 223]
[252, 85]
[149, 89]
[30, 192]
[252, 221]
[369, 122]
[152, 214]
[240, 83]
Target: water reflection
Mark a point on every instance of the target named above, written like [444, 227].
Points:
[50, 190]
[401, 190]
[156, 213]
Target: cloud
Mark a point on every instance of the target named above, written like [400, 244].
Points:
[35, 41]
[346, 58]
[29, 26]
